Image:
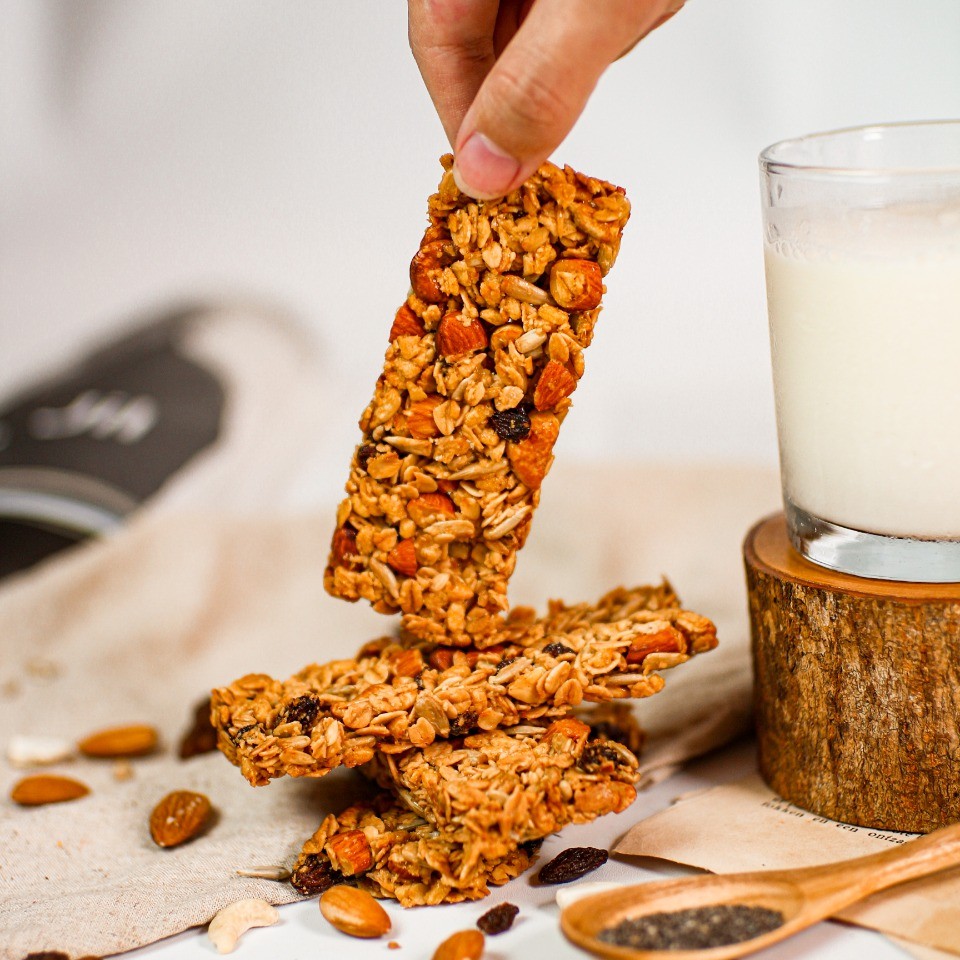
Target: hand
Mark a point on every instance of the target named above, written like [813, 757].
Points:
[510, 77]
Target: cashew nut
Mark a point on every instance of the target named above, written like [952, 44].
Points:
[233, 921]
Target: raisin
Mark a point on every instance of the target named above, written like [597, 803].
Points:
[596, 755]
[201, 737]
[505, 662]
[303, 710]
[418, 680]
[364, 453]
[463, 724]
[238, 736]
[315, 875]
[511, 424]
[557, 649]
[532, 847]
[499, 919]
[572, 864]
[47, 955]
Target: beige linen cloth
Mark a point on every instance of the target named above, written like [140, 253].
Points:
[137, 628]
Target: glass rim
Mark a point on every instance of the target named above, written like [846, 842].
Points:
[770, 163]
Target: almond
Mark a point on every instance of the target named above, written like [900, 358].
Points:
[463, 945]
[344, 548]
[555, 383]
[407, 663]
[406, 324]
[47, 788]
[350, 852]
[458, 335]
[576, 284]
[426, 268]
[439, 502]
[136, 740]
[666, 640]
[420, 422]
[354, 912]
[403, 558]
[531, 457]
[179, 817]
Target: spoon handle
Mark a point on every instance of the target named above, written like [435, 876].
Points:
[852, 880]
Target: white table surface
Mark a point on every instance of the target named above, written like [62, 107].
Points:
[302, 932]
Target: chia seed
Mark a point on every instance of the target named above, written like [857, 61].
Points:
[698, 928]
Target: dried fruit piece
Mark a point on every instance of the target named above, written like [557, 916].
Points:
[201, 737]
[406, 324]
[572, 864]
[458, 335]
[354, 912]
[512, 423]
[426, 268]
[179, 817]
[233, 921]
[136, 740]
[555, 383]
[42, 789]
[313, 875]
[499, 919]
[531, 457]
[576, 284]
[403, 558]
[463, 945]
[302, 710]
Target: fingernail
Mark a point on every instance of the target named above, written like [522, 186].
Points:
[483, 170]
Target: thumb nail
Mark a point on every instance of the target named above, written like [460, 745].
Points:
[482, 169]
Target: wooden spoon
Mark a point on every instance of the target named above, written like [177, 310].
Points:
[803, 897]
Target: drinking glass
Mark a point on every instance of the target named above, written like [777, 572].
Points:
[862, 257]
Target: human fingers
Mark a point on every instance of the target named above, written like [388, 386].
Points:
[540, 84]
[453, 44]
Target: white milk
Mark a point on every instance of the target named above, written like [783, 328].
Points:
[865, 340]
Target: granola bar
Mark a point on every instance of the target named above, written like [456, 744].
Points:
[483, 357]
[392, 696]
[493, 791]
[393, 852]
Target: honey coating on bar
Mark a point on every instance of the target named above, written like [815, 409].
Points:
[392, 696]
[392, 851]
[482, 360]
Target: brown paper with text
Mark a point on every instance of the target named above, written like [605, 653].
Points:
[744, 826]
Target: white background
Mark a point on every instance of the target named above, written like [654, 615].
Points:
[157, 149]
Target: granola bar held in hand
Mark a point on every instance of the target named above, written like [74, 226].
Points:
[393, 697]
[482, 360]
[394, 852]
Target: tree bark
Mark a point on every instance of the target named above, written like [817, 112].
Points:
[857, 689]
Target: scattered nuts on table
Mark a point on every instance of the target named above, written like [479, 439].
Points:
[233, 921]
[35, 751]
[40, 790]
[354, 912]
[136, 740]
[179, 817]
[462, 945]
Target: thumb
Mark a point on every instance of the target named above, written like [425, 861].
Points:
[539, 86]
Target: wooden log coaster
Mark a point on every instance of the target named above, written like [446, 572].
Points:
[857, 688]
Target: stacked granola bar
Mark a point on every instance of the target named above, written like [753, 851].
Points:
[466, 718]
[478, 752]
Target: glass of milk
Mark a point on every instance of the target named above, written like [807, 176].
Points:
[862, 256]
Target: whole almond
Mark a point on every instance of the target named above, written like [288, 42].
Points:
[463, 945]
[135, 740]
[47, 788]
[354, 912]
[179, 817]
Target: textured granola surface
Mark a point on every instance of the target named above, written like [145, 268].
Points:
[394, 852]
[482, 360]
[493, 791]
[394, 696]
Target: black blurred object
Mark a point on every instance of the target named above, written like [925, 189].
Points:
[87, 446]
